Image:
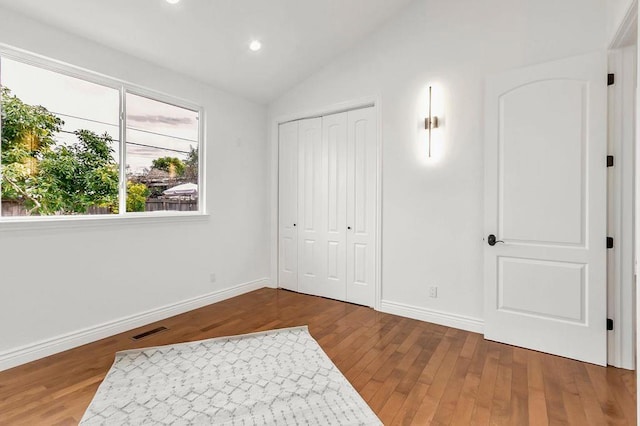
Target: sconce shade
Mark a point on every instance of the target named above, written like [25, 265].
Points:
[431, 123]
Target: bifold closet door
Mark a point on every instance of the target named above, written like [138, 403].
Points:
[334, 208]
[328, 199]
[288, 206]
[311, 233]
[361, 206]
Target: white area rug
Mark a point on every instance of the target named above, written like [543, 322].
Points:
[276, 377]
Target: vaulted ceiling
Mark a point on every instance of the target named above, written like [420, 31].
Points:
[208, 39]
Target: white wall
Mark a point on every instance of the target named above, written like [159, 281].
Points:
[616, 10]
[59, 281]
[433, 212]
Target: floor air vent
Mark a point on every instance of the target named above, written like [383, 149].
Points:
[149, 333]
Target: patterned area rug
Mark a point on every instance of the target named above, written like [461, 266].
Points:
[274, 377]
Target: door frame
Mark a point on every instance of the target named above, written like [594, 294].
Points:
[629, 24]
[365, 102]
[620, 208]
[622, 343]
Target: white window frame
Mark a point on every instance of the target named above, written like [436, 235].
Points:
[123, 87]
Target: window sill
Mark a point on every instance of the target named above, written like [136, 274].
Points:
[82, 222]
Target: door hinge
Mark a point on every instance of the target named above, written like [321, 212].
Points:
[610, 161]
[609, 242]
[609, 324]
[611, 79]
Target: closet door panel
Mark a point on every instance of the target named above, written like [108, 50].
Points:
[288, 206]
[334, 205]
[361, 206]
[311, 236]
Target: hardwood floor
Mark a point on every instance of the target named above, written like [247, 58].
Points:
[410, 372]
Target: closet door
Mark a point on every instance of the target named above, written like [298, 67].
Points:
[334, 207]
[288, 207]
[361, 206]
[311, 235]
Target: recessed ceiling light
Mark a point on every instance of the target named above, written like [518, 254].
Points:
[255, 45]
[173, 1]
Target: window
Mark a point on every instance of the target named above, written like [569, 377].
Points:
[69, 149]
[161, 155]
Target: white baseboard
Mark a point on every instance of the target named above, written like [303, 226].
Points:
[475, 325]
[272, 283]
[31, 352]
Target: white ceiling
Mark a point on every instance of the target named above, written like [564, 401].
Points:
[208, 39]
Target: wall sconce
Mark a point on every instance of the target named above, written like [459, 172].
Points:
[431, 122]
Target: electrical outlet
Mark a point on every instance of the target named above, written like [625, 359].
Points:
[212, 278]
[433, 292]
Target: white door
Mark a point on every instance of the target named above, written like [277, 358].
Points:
[311, 235]
[545, 197]
[361, 206]
[288, 206]
[334, 207]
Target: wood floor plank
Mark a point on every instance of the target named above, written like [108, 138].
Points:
[556, 409]
[451, 395]
[622, 395]
[469, 394]
[482, 411]
[390, 381]
[501, 404]
[519, 407]
[410, 372]
[428, 344]
[588, 396]
[538, 415]
[410, 405]
[431, 402]
[390, 409]
[608, 403]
